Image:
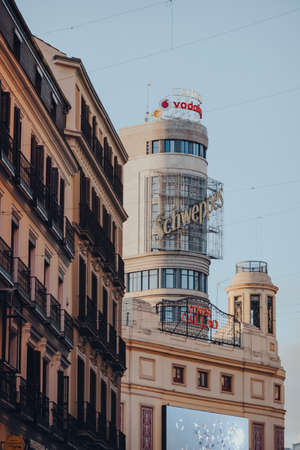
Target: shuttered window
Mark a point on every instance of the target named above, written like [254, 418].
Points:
[92, 388]
[80, 389]
[103, 398]
[82, 287]
[5, 109]
[17, 129]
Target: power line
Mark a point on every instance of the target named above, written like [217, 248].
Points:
[262, 186]
[103, 19]
[197, 41]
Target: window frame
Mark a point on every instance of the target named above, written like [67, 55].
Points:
[183, 368]
[207, 372]
[228, 375]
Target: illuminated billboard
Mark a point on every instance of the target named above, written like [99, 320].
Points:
[189, 429]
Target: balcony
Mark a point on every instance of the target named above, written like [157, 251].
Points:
[87, 316]
[122, 441]
[67, 328]
[24, 175]
[56, 219]
[69, 238]
[5, 261]
[54, 313]
[102, 247]
[39, 296]
[112, 340]
[21, 277]
[118, 187]
[122, 353]
[102, 328]
[58, 419]
[87, 416]
[108, 170]
[251, 266]
[119, 271]
[6, 150]
[112, 435]
[98, 151]
[7, 386]
[101, 427]
[40, 196]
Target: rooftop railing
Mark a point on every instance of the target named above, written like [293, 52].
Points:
[251, 266]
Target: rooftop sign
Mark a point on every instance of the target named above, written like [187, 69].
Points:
[181, 104]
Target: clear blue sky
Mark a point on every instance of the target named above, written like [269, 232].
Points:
[245, 50]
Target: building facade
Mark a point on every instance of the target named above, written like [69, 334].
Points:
[186, 359]
[61, 266]
[98, 357]
[37, 240]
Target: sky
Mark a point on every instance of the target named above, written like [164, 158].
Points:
[242, 56]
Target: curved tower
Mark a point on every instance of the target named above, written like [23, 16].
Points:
[174, 208]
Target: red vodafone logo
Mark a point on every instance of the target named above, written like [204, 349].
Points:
[165, 104]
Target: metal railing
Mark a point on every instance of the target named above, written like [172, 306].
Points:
[102, 327]
[86, 416]
[7, 384]
[251, 266]
[69, 237]
[5, 257]
[39, 295]
[112, 339]
[21, 276]
[6, 146]
[54, 312]
[122, 352]
[68, 326]
[25, 170]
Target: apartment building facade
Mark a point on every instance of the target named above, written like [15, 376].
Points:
[197, 377]
[61, 267]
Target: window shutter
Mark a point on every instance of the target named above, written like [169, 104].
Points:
[5, 109]
[109, 226]
[54, 183]
[66, 392]
[103, 398]
[60, 387]
[17, 130]
[98, 208]
[113, 408]
[40, 162]
[92, 388]
[80, 389]
[93, 201]
[82, 287]
[62, 194]
[33, 152]
[37, 370]
[48, 179]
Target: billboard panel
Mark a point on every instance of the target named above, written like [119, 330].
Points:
[189, 429]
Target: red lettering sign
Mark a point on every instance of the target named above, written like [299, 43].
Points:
[196, 315]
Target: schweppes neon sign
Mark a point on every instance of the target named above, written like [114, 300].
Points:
[194, 214]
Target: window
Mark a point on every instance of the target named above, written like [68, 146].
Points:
[114, 315]
[31, 256]
[153, 279]
[277, 392]
[254, 310]
[202, 379]
[38, 81]
[258, 436]
[226, 383]
[186, 147]
[178, 374]
[238, 309]
[80, 389]
[17, 45]
[47, 273]
[270, 315]
[168, 278]
[60, 290]
[45, 376]
[146, 428]
[53, 106]
[155, 146]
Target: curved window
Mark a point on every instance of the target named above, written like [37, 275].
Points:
[170, 279]
[140, 281]
[180, 146]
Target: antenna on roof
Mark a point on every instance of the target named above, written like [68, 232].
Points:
[147, 104]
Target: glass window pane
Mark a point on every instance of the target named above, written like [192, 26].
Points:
[155, 146]
[177, 146]
[153, 279]
[145, 280]
[191, 279]
[184, 279]
[170, 278]
[167, 148]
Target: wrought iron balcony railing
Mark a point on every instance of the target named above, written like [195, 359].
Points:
[54, 312]
[101, 427]
[69, 238]
[6, 149]
[118, 187]
[67, 327]
[102, 327]
[5, 259]
[7, 385]
[122, 441]
[122, 352]
[86, 416]
[112, 339]
[39, 296]
[88, 314]
[119, 273]
[21, 277]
